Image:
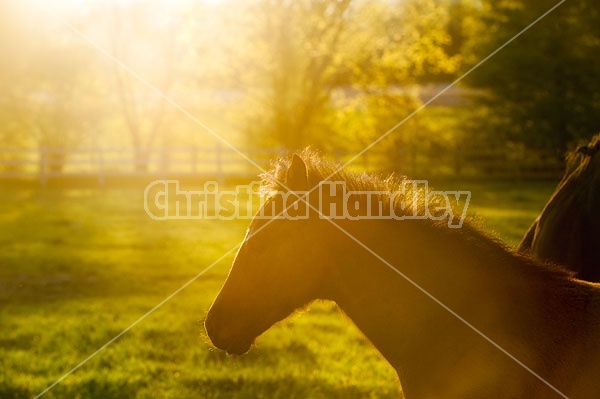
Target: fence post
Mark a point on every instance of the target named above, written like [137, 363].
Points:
[100, 160]
[163, 162]
[522, 158]
[219, 160]
[194, 159]
[457, 160]
[43, 166]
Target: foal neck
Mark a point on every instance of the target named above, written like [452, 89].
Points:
[516, 304]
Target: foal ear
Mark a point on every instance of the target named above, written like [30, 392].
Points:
[297, 175]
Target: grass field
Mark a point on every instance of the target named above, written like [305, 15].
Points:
[77, 266]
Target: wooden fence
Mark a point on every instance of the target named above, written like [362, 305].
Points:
[220, 162]
[102, 163]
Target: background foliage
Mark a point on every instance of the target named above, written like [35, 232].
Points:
[285, 74]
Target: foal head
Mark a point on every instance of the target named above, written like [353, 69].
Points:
[278, 269]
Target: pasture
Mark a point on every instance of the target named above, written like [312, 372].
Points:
[77, 266]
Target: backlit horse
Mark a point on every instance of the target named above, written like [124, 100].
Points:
[457, 314]
[567, 231]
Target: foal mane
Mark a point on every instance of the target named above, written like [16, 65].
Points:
[320, 169]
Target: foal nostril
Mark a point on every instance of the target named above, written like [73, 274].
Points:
[226, 335]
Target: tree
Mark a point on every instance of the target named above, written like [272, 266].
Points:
[48, 93]
[303, 65]
[142, 36]
[543, 90]
[396, 47]
[287, 67]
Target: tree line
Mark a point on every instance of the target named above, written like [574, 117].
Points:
[334, 74]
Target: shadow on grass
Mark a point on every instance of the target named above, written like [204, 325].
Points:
[66, 284]
[285, 387]
[272, 356]
[91, 388]
[60, 246]
[9, 391]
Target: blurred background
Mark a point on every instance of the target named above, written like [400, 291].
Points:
[99, 98]
[273, 76]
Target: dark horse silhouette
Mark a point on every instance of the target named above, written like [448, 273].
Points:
[425, 295]
[567, 231]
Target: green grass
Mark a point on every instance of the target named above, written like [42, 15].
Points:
[77, 266]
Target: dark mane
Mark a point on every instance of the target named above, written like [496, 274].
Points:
[320, 169]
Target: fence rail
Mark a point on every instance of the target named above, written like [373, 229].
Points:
[221, 162]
